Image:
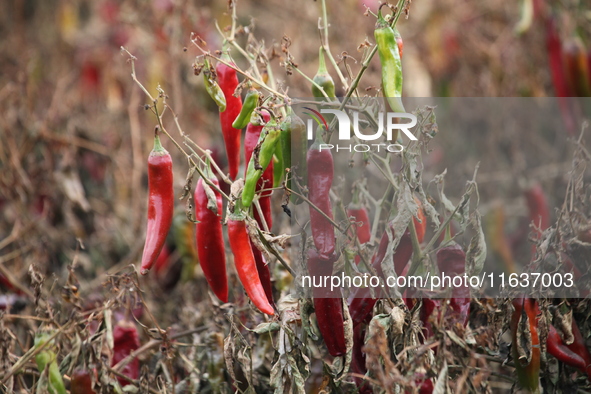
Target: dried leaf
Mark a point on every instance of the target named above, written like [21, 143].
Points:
[476, 254]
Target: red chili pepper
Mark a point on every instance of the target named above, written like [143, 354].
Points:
[81, 382]
[561, 88]
[320, 175]
[580, 347]
[160, 203]
[563, 353]
[528, 374]
[358, 214]
[358, 360]
[246, 264]
[210, 240]
[228, 81]
[328, 309]
[126, 340]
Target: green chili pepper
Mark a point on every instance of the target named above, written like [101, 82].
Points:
[250, 103]
[391, 64]
[212, 87]
[260, 159]
[279, 166]
[294, 145]
[323, 79]
[48, 359]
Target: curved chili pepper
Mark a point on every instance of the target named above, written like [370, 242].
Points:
[250, 103]
[563, 353]
[47, 358]
[320, 175]
[358, 360]
[212, 87]
[228, 81]
[329, 310]
[528, 373]
[125, 341]
[390, 61]
[245, 262]
[160, 204]
[210, 240]
[580, 348]
[294, 144]
[260, 161]
[81, 382]
[323, 79]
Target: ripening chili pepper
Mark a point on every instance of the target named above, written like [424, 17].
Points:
[160, 203]
[251, 139]
[212, 87]
[451, 260]
[524, 330]
[125, 341]
[81, 382]
[245, 262]
[260, 160]
[320, 175]
[228, 81]
[323, 79]
[574, 59]
[328, 309]
[47, 359]
[210, 240]
[250, 103]
[391, 63]
[420, 221]
[294, 144]
[399, 41]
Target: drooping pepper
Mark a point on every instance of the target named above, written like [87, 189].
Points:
[125, 341]
[160, 203]
[245, 262]
[212, 87]
[251, 139]
[260, 160]
[320, 175]
[328, 309]
[294, 144]
[323, 79]
[228, 81]
[558, 349]
[390, 61]
[250, 103]
[210, 240]
[526, 343]
[47, 358]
